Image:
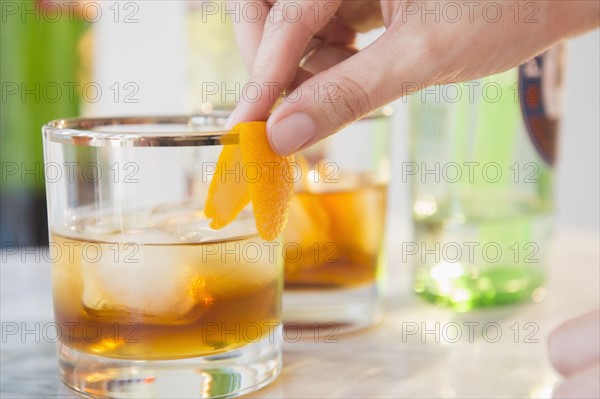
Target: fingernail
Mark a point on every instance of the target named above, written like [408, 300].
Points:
[291, 133]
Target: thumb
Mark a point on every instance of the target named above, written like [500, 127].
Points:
[332, 99]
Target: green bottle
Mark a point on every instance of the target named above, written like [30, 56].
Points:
[41, 45]
[481, 170]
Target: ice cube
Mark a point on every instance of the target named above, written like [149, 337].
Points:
[165, 215]
[185, 223]
[148, 280]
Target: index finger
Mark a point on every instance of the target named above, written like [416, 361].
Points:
[248, 23]
[287, 31]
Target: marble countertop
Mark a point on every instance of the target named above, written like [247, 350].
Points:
[414, 352]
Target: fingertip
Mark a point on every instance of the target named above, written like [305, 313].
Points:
[584, 384]
[574, 344]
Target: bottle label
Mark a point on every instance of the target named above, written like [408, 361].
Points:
[540, 93]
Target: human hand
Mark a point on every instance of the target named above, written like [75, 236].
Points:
[575, 353]
[338, 85]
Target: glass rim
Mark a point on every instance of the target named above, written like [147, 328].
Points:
[203, 130]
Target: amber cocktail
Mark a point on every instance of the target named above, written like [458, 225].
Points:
[150, 301]
[335, 233]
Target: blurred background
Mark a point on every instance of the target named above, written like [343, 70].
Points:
[171, 57]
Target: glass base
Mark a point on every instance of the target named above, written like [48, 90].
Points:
[337, 311]
[495, 286]
[225, 375]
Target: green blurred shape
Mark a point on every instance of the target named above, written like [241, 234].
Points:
[38, 68]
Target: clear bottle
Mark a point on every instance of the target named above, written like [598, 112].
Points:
[482, 185]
